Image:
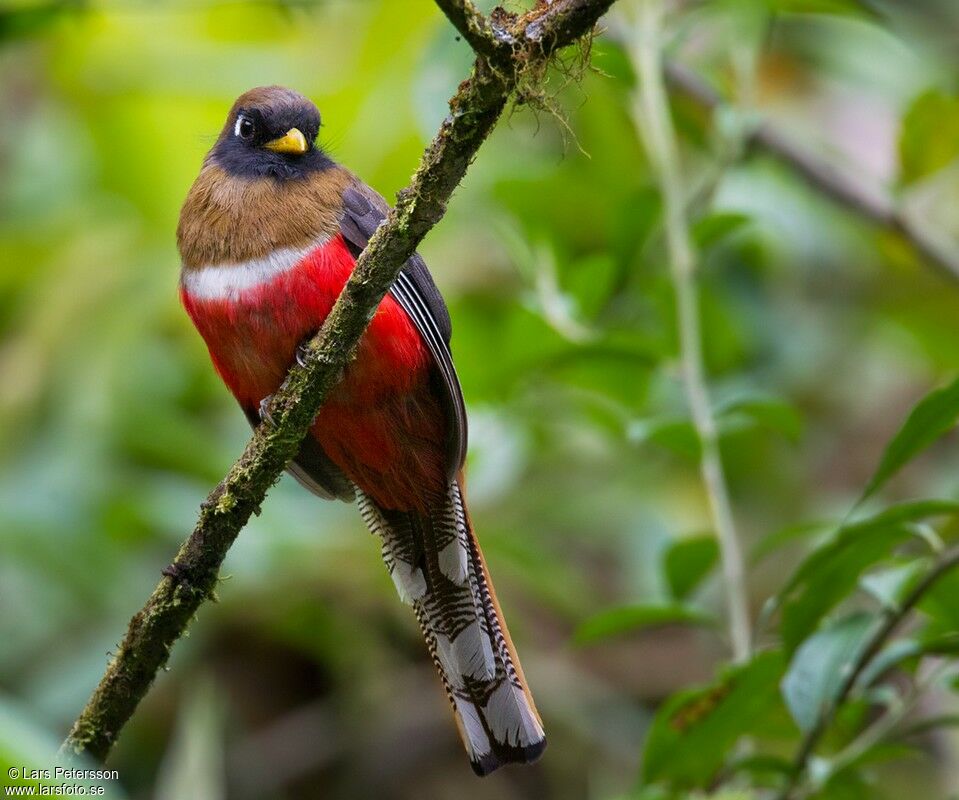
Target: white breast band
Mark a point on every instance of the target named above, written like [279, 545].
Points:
[228, 281]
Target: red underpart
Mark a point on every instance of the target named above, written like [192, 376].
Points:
[384, 424]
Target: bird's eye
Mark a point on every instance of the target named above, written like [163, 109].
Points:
[244, 127]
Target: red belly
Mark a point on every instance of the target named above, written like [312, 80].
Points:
[383, 424]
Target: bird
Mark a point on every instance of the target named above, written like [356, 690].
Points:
[268, 235]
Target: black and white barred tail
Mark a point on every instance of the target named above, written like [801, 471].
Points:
[438, 569]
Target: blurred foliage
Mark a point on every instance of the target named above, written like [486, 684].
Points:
[308, 678]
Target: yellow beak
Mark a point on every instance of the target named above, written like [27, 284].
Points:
[293, 143]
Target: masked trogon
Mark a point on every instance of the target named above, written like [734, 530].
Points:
[268, 236]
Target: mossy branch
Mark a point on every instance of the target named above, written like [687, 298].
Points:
[191, 579]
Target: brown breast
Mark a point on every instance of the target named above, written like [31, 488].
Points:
[228, 219]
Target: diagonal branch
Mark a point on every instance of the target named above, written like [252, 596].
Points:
[878, 207]
[192, 576]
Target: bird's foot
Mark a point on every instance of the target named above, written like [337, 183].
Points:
[303, 350]
[264, 409]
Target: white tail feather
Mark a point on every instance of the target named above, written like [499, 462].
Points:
[468, 655]
[471, 729]
[510, 717]
[437, 567]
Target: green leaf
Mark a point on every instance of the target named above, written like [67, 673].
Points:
[829, 574]
[687, 562]
[889, 585]
[847, 782]
[890, 656]
[930, 136]
[845, 785]
[932, 417]
[591, 280]
[901, 650]
[831, 571]
[32, 19]
[673, 433]
[713, 228]
[903, 513]
[940, 603]
[820, 665]
[768, 412]
[629, 619]
[653, 793]
[839, 7]
[762, 766]
[943, 644]
[694, 731]
[788, 535]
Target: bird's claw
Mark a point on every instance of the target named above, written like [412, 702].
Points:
[301, 354]
[264, 409]
[303, 351]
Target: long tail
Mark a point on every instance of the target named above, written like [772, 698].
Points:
[438, 568]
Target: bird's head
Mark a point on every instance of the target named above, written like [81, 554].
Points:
[270, 132]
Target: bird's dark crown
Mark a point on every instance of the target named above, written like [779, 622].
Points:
[260, 117]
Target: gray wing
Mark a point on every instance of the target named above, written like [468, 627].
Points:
[313, 468]
[414, 290]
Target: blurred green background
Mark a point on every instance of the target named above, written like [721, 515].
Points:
[308, 678]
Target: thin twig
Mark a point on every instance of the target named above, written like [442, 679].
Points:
[895, 713]
[653, 120]
[884, 628]
[192, 577]
[832, 181]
